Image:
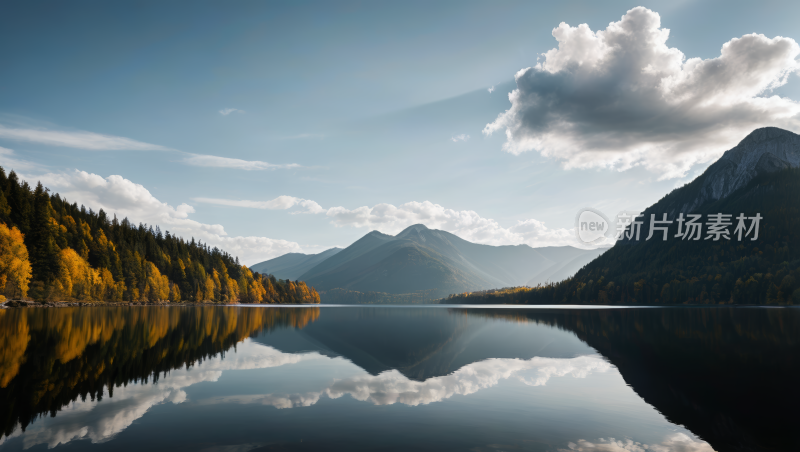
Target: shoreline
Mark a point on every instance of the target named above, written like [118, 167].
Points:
[18, 304]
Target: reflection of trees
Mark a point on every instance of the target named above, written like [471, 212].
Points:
[50, 357]
[727, 374]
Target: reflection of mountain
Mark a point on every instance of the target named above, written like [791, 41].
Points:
[419, 259]
[420, 343]
[728, 375]
[50, 357]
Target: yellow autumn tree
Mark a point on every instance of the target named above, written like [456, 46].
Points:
[156, 287]
[15, 268]
[76, 280]
[174, 293]
[250, 290]
[208, 289]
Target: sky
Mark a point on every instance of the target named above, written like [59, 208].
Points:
[272, 127]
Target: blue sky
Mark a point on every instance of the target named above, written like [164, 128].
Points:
[269, 127]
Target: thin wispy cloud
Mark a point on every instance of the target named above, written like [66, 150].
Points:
[457, 138]
[304, 136]
[78, 139]
[215, 161]
[227, 111]
[279, 203]
[91, 141]
[9, 161]
[491, 89]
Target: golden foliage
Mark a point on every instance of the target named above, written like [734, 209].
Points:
[15, 268]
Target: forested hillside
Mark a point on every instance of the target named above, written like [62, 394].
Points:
[51, 250]
[675, 271]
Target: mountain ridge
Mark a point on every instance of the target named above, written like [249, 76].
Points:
[423, 260]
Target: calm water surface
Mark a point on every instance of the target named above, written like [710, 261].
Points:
[428, 378]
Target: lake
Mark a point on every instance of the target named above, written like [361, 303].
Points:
[264, 378]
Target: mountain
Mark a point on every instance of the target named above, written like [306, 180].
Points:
[292, 265]
[763, 151]
[419, 259]
[758, 177]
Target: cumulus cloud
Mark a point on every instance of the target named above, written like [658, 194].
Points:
[620, 97]
[677, 442]
[226, 162]
[77, 139]
[466, 224]
[120, 196]
[279, 203]
[457, 138]
[227, 111]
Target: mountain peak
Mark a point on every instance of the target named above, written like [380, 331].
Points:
[764, 150]
[766, 134]
[412, 228]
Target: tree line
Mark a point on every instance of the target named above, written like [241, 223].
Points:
[51, 250]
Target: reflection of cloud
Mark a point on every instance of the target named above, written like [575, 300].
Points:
[392, 387]
[678, 442]
[278, 401]
[100, 421]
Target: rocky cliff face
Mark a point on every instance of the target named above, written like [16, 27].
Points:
[765, 150]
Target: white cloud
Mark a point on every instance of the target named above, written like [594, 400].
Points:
[279, 203]
[225, 162]
[621, 97]
[466, 224]
[227, 111]
[457, 138]
[677, 442]
[390, 219]
[120, 196]
[491, 89]
[78, 139]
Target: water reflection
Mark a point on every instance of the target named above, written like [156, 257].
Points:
[98, 422]
[51, 357]
[725, 374]
[392, 387]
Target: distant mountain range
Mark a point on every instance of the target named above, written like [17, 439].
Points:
[436, 262]
[292, 265]
[760, 176]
